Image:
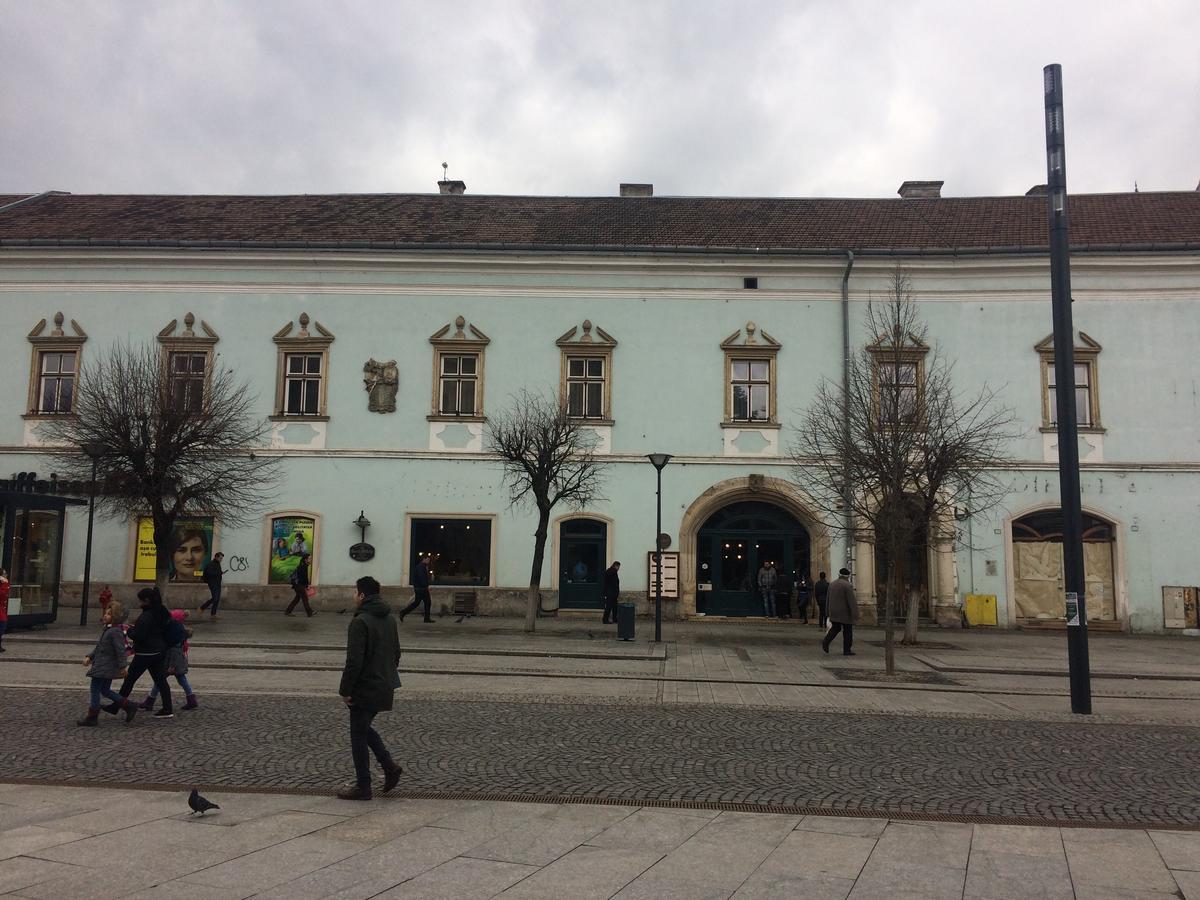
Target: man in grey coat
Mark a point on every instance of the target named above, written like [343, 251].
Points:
[368, 680]
[843, 613]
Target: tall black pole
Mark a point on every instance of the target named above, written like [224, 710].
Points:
[87, 553]
[658, 559]
[1064, 382]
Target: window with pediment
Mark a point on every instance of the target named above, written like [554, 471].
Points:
[458, 372]
[302, 370]
[54, 368]
[898, 372]
[1087, 393]
[188, 358]
[585, 373]
[750, 378]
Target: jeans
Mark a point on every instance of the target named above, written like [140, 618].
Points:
[422, 598]
[847, 635]
[156, 665]
[768, 595]
[183, 683]
[102, 687]
[214, 600]
[362, 737]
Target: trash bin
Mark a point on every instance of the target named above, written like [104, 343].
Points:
[625, 613]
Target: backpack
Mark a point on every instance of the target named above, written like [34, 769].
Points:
[176, 634]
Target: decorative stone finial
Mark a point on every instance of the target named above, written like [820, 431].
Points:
[459, 323]
[587, 330]
[750, 329]
[188, 322]
[304, 320]
[58, 324]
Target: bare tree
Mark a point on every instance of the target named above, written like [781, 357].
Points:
[548, 458]
[169, 451]
[899, 448]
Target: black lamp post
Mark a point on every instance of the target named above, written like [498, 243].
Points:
[659, 461]
[1064, 389]
[94, 452]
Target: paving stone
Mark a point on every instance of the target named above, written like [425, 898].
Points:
[895, 880]
[843, 825]
[934, 844]
[23, 871]
[1115, 860]
[385, 822]
[411, 854]
[650, 830]
[541, 840]
[182, 890]
[586, 873]
[461, 879]
[1019, 839]
[815, 853]
[19, 841]
[780, 886]
[1179, 850]
[1189, 883]
[1000, 876]
[266, 868]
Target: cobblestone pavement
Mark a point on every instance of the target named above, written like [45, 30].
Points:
[767, 758]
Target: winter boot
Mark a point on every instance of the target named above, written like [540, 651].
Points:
[192, 702]
[130, 710]
[147, 704]
[355, 792]
[90, 719]
[391, 776]
[112, 708]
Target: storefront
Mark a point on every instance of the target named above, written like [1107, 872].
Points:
[31, 538]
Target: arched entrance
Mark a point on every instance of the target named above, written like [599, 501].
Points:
[912, 571]
[1038, 566]
[731, 546]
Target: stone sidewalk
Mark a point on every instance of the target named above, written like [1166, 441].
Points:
[91, 842]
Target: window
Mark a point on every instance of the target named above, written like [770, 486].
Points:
[1087, 394]
[459, 379]
[585, 387]
[54, 368]
[750, 388]
[301, 372]
[188, 360]
[461, 550]
[188, 371]
[586, 372]
[458, 371]
[897, 385]
[302, 384]
[750, 378]
[56, 381]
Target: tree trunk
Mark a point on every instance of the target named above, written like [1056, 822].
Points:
[164, 534]
[910, 623]
[889, 616]
[535, 575]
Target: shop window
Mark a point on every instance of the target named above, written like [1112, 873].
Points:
[461, 549]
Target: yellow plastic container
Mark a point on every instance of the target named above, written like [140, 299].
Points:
[981, 609]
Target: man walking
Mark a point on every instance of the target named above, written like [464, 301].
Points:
[368, 681]
[843, 613]
[212, 577]
[420, 583]
[612, 590]
[821, 592]
[768, 579]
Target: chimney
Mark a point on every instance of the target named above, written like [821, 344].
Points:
[921, 190]
[1038, 190]
[637, 190]
[452, 187]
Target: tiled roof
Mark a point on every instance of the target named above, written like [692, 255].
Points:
[961, 224]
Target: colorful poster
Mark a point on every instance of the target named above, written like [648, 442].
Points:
[291, 536]
[191, 549]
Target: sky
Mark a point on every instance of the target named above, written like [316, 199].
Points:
[700, 98]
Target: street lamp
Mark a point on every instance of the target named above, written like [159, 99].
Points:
[659, 461]
[1064, 382]
[94, 451]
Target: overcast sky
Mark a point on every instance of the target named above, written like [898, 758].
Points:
[745, 98]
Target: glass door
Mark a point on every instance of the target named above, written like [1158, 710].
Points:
[33, 571]
[581, 563]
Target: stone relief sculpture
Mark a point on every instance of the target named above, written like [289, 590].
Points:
[381, 381]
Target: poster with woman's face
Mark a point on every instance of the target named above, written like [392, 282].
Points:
[291, 536]
[191, 549]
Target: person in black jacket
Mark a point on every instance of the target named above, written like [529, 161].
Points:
[612, 590]
[821, 591]
[300, 584]
[420, 583]
[212, 577]
[368, 680]
[149, 637]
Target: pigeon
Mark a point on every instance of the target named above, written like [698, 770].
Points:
[200, 804]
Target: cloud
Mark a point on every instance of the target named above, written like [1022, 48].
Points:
[700, 98]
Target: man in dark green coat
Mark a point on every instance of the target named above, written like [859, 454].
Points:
[370, 677]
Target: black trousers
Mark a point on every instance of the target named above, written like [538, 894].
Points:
[823, 608]
[422, 598]
[610, 609]
[301, 597]
[363, 738]
[847, 636]
[156, 665]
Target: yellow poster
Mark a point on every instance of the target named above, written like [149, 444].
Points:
[191, 549]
